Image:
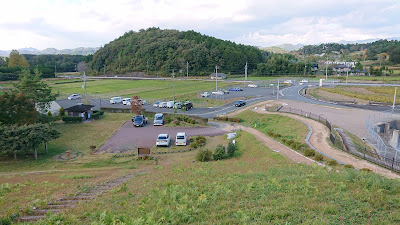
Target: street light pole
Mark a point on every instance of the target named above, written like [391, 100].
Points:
[216, 78]
[173, 85]
[394, 98]
[277, 91]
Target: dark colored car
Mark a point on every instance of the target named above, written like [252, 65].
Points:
[139, 121]
[235, 89]
[188, 105]
[240, 103]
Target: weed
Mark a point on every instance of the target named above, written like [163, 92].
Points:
[309, 152]
[204, 155]
[349, 166]
[332, 162]
[318, 157]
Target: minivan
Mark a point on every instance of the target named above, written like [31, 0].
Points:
[115, 100]
[181, 138]
[158, 119]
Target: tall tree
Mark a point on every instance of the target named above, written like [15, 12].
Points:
[16, 108]
[16, 59]
[36, 90]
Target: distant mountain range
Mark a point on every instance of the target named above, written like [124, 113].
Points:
[52, 51]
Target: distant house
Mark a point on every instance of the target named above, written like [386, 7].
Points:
[80, 110]
[341, 68]
[220, 76]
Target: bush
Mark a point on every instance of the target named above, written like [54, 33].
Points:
[167, 119]
[309, 152]
[96, 114]
[349, 166]
[290, 142]
[318, 157]
[204, 155]
[62, 111]
[177, 123]
[331, 162]
[235, 120]
[219, 153]
[49, 113]
[221, 118]
[194, 145]
[366, 170]
[231, 149]
[72, 119]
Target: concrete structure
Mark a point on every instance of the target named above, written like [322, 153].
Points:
[80, 110]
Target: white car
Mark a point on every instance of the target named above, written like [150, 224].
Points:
[287, 82]
[252, 85]
[181, 139]
[126, 101]
[163, 140]
[304, 81]
[115, 100]
[74, 96]
[162, 105]
[205, 95]
[156, 104]
[217, 93]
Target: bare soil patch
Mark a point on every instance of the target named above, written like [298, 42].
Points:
[325, 95]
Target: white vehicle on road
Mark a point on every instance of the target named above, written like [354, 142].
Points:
[163, 140]
[74, 96]
[217, 93]
[162, 105]
[287, 82]
[205, 95]
[304, 81]
[156, 104]
[181, 139]
[115, 100]
[170, 104]
[126, 101]
[252, 85]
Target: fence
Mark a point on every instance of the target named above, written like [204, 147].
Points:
[387, 160]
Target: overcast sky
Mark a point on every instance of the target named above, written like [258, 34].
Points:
[91, 23]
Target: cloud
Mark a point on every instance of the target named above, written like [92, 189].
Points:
[75, 23]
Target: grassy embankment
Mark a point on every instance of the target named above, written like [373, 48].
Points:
[372, 93]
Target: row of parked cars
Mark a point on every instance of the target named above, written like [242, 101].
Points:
[141, 121]
[165, 139]
[125, 101]
[171, 104]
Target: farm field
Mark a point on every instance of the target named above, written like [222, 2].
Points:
[360, 94]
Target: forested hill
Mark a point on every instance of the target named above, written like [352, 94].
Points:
[392, 48]
[157, 51]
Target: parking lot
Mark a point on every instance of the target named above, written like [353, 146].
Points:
[128, 138]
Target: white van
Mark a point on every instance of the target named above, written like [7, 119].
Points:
[115, 100]
[170, 104]
[126, 101]
[181, 138]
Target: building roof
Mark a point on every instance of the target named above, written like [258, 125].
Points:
[79, 108]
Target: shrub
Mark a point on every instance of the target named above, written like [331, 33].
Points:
[72, 119]
[204, 155]
[194, 145]
[235, 120]
[101, 112]
[219, 153]
[49, 113]
[284, 140]
[221, 118]
[62, 111]
[349, 166]
[309, 152]
[366, 170]
[331, 162]
[231, 149]
[270, 133]
[96, 114]
[289, 142]
[177, 123]
[167, 119]
[318, 157]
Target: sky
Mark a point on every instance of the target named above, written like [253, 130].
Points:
[65, 24]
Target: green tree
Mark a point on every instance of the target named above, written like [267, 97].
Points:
[394, 55]
[16, 59]
[16, 108]
[36, 90]
[359, 66]
[220, 153]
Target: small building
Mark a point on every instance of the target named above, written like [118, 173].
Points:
[341, 68]
[80, 110]
[220, 76]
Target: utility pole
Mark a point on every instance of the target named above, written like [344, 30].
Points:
[173, 85]
[347, 76]
[104, 69]
[147, 66]
[245, 74]
[216, 78]
[187, 70]
[84, 79]
[305, 68]
[277, 91]
[326, 64]
[55, 69]
[394, 98]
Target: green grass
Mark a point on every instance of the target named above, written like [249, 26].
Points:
[260, 187]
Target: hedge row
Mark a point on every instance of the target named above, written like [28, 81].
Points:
[97, 114]
[230, 119]
[72, 119]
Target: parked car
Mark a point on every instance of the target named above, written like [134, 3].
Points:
[115, 100]
[205, 95]
[74, 96]
[188, 105]
[240, 103]
[217, 93]
[143, 101]
[158, 119]
[170, 104]
[162, 105]
[156, 104]
[126, 101]
[252, 85]
[225, 91]
[181, 139]
[139, 121]
[235, 89]
[178, 105]
[304, 81]
[163, 140]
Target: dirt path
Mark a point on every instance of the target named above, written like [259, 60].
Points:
[271, 143]
[319, 140]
